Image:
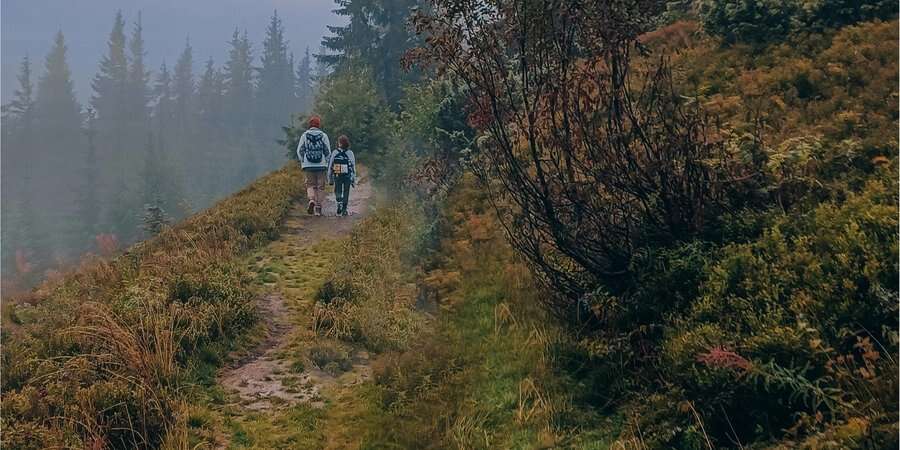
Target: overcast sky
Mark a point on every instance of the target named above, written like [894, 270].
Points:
[28, 27]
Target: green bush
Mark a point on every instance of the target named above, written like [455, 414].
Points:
[764, 21]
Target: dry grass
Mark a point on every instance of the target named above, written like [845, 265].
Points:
[378, 283]
[98, 360]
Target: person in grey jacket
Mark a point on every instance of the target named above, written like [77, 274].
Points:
[314, 152]
[342, 173]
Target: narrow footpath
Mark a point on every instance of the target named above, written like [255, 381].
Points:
[275, 375]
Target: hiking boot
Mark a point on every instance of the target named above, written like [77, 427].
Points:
[318, 210]
[311, 207]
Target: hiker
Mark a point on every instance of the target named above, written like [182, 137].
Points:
[342, 173]
[314, 151]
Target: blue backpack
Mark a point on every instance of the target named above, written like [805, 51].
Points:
[340, 165]
[314, 148]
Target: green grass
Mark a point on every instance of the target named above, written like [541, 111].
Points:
[467, 383]
[293, 428]
[279, 266]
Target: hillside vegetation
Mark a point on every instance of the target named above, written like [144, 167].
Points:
[715, 222]
[97, 358]
[645, 236]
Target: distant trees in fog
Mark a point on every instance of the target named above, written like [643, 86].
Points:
[148, 144]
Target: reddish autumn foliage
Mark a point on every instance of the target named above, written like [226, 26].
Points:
[722, 358]
[107, 243]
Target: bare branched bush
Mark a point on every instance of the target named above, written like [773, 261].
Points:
[587, 157]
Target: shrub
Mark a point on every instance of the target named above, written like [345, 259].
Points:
[330, 357]
[763, 21]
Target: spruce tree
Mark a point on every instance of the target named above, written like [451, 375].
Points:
[210, 93]
[239, 85]
[184, 90]
[161, 188]
[394, 41]
[321, 70]
[110, 85]
[59, 138]
[155, 217]
[138, 78]
[17, 218]
[122, 216]
[376, 37]
[354, 40]
[56, 108]
[20, 111]
[304, 84]
[276, 83]
[164, 108]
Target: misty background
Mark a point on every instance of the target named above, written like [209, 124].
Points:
[28, 27]
[121, 117]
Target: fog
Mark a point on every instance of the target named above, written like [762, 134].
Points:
[28, 27]
[116, 124]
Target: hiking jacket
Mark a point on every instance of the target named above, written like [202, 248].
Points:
[352, 168]
[309, 165]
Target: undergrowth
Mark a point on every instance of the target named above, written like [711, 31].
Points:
[483, 373]
[96, 358]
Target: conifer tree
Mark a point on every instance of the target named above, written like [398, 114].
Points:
[55, 105]
[111, 83]
[184, 90]
[164, 109]
[304, 83]
[121, 217]
[19, 113]
[18, 118]
[395, 40]
[354, 40]
[321, 70]
[155, 217]
[210, 93]
[239, 84]
[58, 136]
[138, 78]
[376, 37]
[276, 82]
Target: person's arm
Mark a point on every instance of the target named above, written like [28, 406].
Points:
[327, 143]
[352, 167]
[330, 174]
[300, 147]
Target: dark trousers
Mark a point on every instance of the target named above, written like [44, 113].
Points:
[342, 193]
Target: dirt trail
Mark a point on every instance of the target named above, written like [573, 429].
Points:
[267, 378]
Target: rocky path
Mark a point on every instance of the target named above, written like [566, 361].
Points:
[273, 375]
